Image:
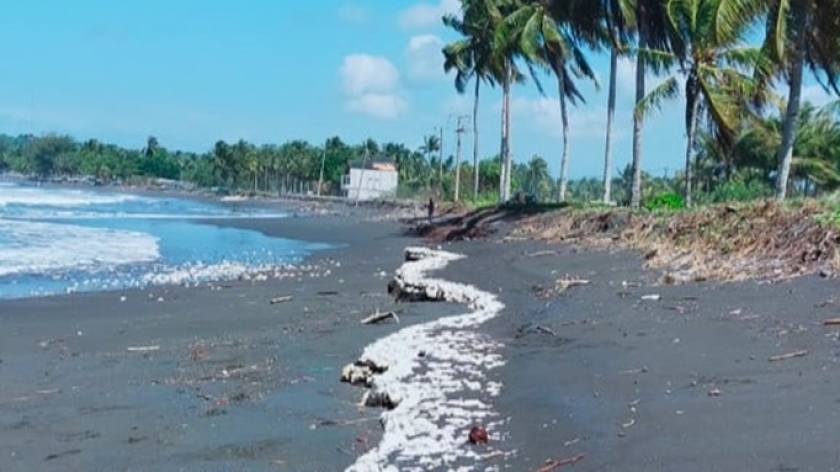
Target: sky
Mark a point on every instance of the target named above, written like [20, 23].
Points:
[190, 72]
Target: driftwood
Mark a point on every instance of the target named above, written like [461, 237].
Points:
[142, 348]
[789, 355]
[328, 422]
[541, 253]
[282, 299]
[551, 465]
[380, 317]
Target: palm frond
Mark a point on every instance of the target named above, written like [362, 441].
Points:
[669, 89]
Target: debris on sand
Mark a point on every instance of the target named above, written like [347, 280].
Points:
[554, 464]
[379, 400]
[560, 286]
[143, 348]
[478, 435]
[361, 372]
[789, 355]
[764, 239]
[378, 317]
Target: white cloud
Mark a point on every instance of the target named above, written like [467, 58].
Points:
[544, 114]
[425, 60]
[353, 13]
[458, 105]
[625, 77]
[814, 94]
[421, 15]
[379, 105]
[363, 73]
[371, 84]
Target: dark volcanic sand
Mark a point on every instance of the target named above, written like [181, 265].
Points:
[236, 384]
[683, 383]
[73, 398]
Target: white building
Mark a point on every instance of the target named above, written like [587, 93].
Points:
[375, 180]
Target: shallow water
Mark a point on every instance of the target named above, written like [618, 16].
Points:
[57, 240]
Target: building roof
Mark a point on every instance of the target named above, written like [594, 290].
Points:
[380, 163]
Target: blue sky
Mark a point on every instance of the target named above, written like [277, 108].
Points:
[194, 71]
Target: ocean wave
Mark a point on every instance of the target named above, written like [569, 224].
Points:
[32, 196]
[30, 247]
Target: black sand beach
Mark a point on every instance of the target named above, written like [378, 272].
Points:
[684, 382]
[221, 379]
[202, 378]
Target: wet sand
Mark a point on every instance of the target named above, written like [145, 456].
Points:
[683, 383]
[203, 378]
[237, 383]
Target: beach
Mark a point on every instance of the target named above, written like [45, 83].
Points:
[619, 373]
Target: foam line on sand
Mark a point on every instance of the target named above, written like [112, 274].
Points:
[442, 393]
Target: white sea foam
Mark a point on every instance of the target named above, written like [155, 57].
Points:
[54, 214]
[33, 196]
[37, 247]
[441, 394]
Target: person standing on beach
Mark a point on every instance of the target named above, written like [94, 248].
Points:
[431, 209]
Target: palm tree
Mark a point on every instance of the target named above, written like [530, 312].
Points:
[538, 180]
[546, 37]
[471, 57]
[481, 54]
[799, 33]
[644, 19]
[152, 145]
[707, 41]
[604, 24]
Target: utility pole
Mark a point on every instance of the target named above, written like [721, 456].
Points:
[440, 163]
[361, 176]
[459, 129]
[323, 160]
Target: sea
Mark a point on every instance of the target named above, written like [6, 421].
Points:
[56, 240]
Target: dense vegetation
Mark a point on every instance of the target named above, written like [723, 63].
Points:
[743, 139]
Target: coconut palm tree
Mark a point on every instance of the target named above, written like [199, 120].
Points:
[471, 58]
[800, 33]
[644, 20]
[708, 52]
[547, 37]
[492, 56]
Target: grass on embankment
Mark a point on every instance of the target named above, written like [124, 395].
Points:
[761, 239]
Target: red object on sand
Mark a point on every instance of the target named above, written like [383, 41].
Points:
[478, 435]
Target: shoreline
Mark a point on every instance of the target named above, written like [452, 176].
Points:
[598, 370]
[436, 374]
[92, 382]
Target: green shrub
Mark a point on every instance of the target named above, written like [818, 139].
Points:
[739, 191]
[665, 201]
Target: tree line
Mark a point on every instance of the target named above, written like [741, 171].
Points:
[739, 131]
[293, 167]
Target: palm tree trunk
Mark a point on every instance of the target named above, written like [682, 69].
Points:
[692, 107]
[504, 185]
[508, 157]
[785, 154]
[564, 116]
[636, 166]
[475, 141]
[610, 115]
[460, 129]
